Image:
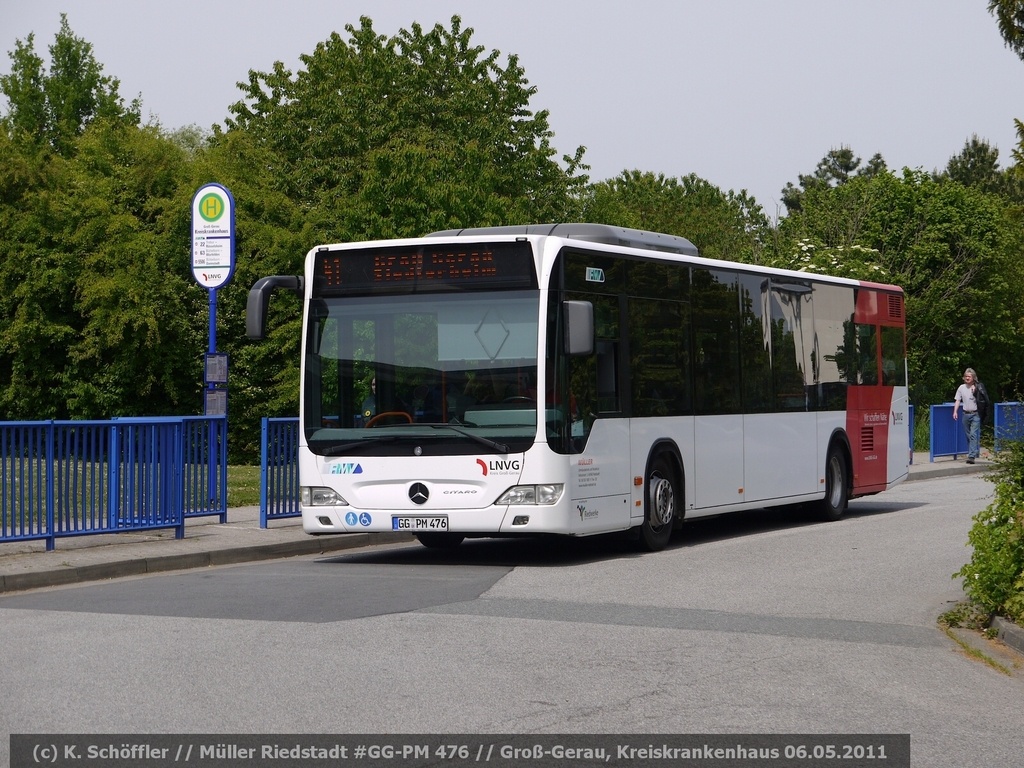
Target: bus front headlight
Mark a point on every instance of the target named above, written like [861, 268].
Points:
[532, 494]
[311, 496]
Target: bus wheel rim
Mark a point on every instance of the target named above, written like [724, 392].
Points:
[663, 501]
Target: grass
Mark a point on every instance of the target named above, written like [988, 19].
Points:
[975, 653]
[243, 483]
[965, 615]
[243, 486]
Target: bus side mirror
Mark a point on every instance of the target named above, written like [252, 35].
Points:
[259, 299]
[579, 327]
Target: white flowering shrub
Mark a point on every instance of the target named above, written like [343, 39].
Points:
[853, 261]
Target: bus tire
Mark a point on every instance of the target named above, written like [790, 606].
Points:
[661, 506]
[440, 540]
[837, 485]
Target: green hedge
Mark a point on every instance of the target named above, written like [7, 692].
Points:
[994, 578]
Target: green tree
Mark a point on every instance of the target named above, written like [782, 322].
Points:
[55, 107]
[1010, 17]
[140, 343]
[723, 225]
[383, 136]
[977, 165]
[835, 168]
[954, 250]
[23, 87]
[98, 316]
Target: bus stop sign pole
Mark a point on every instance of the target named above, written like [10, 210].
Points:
[213, 264]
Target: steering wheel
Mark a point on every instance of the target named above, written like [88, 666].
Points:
[379, 416]
[518, 399]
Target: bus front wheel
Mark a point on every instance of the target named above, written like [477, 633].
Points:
[661, 506]
[837, 486]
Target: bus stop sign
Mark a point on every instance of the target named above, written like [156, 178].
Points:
[213, 236]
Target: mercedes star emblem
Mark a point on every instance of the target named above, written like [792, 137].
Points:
[418, 493]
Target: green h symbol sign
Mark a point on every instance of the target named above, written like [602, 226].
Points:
[211, 207]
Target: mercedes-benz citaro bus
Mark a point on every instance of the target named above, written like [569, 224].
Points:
[581, 379]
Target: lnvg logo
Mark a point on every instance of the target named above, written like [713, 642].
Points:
[346, 469]
[500, 466]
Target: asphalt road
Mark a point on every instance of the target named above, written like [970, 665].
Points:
[753, 623]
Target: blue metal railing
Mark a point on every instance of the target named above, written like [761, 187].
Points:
[145, 476]
[205, 466]
[1009, 423]
[947, 437]
[74, 478]
[26, 450]
[279, 469]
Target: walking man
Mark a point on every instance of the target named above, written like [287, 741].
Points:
[967, 398]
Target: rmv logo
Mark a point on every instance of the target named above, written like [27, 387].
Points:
[346, 469]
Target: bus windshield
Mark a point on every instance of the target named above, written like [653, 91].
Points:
[442, 370]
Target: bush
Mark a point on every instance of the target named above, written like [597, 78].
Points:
[994, 578]
[922, 430]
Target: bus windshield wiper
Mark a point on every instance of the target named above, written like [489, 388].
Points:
[340, 448]
[499, 447]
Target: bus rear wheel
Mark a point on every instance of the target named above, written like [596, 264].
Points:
[440, 540]
[661, 506]
[837, 485]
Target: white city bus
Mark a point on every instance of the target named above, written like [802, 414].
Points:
[581, 379]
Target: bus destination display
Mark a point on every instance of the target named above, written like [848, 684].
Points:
[428, 268]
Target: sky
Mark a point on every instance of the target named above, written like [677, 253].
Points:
[745, 94]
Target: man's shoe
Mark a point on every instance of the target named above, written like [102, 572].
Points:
[970, 461]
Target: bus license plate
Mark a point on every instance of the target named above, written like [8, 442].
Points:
[420, 523]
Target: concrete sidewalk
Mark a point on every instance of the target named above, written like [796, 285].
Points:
[27, 565]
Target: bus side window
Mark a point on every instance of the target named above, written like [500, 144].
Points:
[867, 349]
[716, 320]
[893, 370]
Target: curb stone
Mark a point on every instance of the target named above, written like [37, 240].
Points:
[990, 649]
[140, 566]
[1010, 633]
